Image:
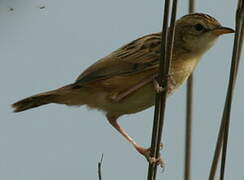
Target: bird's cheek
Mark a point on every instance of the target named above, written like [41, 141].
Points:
[210, 40]
[190, 41]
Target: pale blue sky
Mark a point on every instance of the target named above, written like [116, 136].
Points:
[43, 49]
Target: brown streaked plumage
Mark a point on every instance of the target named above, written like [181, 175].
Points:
[124, 82]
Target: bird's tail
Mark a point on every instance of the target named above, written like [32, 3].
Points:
[34, 101]
[59, 96]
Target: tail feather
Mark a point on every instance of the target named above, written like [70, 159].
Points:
[34, 101]
[69, 95]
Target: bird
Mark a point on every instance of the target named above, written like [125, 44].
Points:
[126, 80]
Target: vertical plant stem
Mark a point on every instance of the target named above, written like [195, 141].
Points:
[234, 69]
[164, 67]
[189, 115]
[224, 127]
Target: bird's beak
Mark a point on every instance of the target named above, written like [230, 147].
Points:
[222, 30]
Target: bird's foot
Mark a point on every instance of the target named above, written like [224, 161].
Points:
[158, 161]
[171, 84]
[146, 152]
[157, 87]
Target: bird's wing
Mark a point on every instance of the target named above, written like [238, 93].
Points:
[138, 56]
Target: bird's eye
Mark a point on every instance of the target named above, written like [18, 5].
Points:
[199, 27]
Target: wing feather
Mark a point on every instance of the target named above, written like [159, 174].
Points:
[139, 55]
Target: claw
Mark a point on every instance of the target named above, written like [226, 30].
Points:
[158, 161]
[157, 87]
[171, 84]
[146, 153]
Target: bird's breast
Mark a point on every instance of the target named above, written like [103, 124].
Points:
[181, 70]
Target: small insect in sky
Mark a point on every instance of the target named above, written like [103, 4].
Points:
[42, 7]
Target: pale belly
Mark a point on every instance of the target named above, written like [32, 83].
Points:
[138, 101]
[135, 102]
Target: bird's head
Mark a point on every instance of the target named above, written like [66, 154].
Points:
[197, 32]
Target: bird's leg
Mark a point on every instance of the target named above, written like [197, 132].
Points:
[145, 152]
